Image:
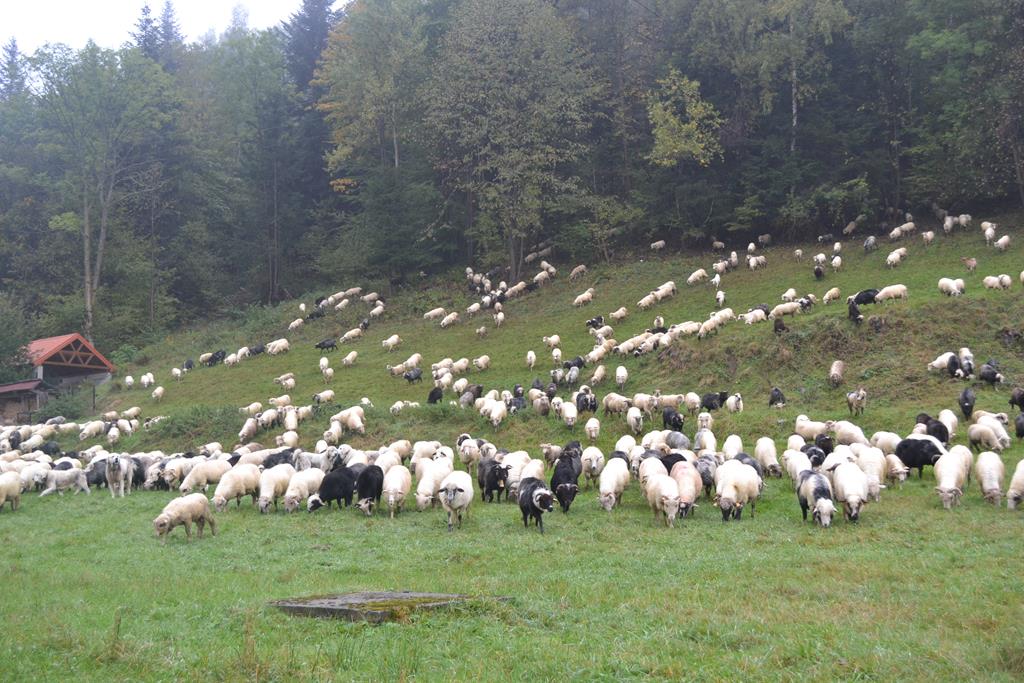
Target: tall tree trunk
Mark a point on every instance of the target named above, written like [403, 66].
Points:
[792, 92]
[274, 257]
[394, 132]
[87, 262]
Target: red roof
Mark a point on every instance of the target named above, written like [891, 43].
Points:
[16, 387]
[70, 350]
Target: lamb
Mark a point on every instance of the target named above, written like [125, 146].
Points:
[1016, 491]
[736, 485]
[456, 494]
[183, 512]
[989, 471]
[982, 436]
[663, 497]
[61, 480]
[856, 401]
[815, 492]
[273, 485]
[851, 489]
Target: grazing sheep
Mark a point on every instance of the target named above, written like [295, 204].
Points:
[613, 480]
[158, 393]
[662, 493]
[1016, 491]
[696, 276]
[736, 485]
[835, 373]
[851, 489]
[989, 471]
[950, 479]
[1002, 244]
[273, 485]
[658, 246]
[183, 512]
[815, 492]
[891, 293]
[203, 474]
[10, 490]
[241, 480]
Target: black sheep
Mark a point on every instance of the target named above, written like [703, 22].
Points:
[492, 477]
[564, 483]
[779, 327]
[671, 419]
[762, 307]
[576, 362]
[966, 402]
[938, 430]
[953, 367]
[586, 403]
[51, 448]
[819, 273]
[1019, 423]
[552, 390]
[284, 457]
[139, 473]
[776, 398]
[414, 375]
[337, 485]
[369, 486]
[435, 395]
[257, 350]
[825, 443]
[189, 364]
[328, 344]
[853, 313]
[819, 489]
[534, 500]
[671, 459]
[713, 401]
[619, 454]
[596, 323]
[990, 373]
[865, 296]
[94, 477]
[706, 466]
[1017, 398]
[918, 453]
[365, 324]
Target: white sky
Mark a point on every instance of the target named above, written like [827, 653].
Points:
[109, 22]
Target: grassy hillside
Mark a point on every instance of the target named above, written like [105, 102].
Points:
[912, 592]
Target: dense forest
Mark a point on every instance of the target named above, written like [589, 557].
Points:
[163, 182]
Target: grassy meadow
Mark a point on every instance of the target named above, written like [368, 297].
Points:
[912, 592]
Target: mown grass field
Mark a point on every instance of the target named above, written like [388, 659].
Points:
[911, 592]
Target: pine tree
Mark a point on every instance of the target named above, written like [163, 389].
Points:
[12, 73]
[171, 42]
[146, 36]
[305, 35]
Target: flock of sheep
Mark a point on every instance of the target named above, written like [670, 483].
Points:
[829, 463]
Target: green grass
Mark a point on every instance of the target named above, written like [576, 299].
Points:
[911, 592]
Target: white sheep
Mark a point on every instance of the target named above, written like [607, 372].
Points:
[891, 293]
[696, 276]
[736, 485]
[158, 393]
[766, 455]
[241, 480]
[950, 479]
[584, 298]
[734, 404]
[273, 485]
[983, 436]
[635, 419]
[658, 246]
[613, 480]
[928, 237]
[851, 489]
[350, 360]
[352, 335]
[456, 493]
[552, 341]
[621, 376]
[184, 511]
[951, 287]
[989, 471]
[1016, 491]
[837, 263]
[593, 428]
[391, 343]
[1002, 244]
[129, 382]
[434, 313]
[10, 490]
[203, 474]
[663, 497]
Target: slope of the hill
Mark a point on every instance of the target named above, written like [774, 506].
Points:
[889, 363]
